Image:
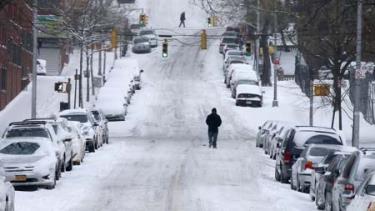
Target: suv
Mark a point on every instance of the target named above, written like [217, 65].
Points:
[297, 139]
[38, 129]
[89, 128]
[354, 172]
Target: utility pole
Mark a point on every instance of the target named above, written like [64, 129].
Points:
[275, 102]
[80, 100]
[92, 69]
[311, 112]
[35, 55]
[87, 75]
[357, 80]
[100, 56]
[257, 41]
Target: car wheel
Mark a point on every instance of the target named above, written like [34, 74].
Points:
[277, 175]
[298, 185]
[96, 144]
[53, 185]
[318, 202]
[70, 165]
[91, 147]
[58, 172]
[292, 183]
[283, 179]
[328, 202]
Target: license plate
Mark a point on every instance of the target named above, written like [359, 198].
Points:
[248, 102]
[20, 178]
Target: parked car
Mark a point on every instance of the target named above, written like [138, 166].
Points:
[113, 103]
[278, 138]
[227, 40]
[365, 195]
[230, 34]
[323, 190]
[354, 172]
[231, 53]
[261, 133]
[245, 81]
[100, 118]
[151, 35]
[61, 130]
[302, 169]
[249, 95]
[319, 169]
[233, 60]
[30, 161]
[6, 192]
[78, 143]
[242, 74]
[297, 138]
[141, 45]
[89, 128]
[230, 46]
[135, 29]
[38, 130]
[236, 67]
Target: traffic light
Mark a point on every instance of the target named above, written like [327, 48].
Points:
[114, 38]
[165, 49]
[248, 49]
[209, 22]
[142, 19]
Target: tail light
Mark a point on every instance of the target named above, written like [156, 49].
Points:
[308, 165]
[287, 156]
[349, 187]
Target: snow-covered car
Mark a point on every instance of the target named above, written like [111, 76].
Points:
[246, 77]
[233, 60]
[100, 118]
[365, 196]
[41, 67]
[30, 161]
[272, 137]
[227, 40]
[112, 103]
[240, 81]
[151, 35]
[230, 53]
[135, 29]
[141, 45]
[137, 82]
[78, 143]
[249, 95]
[262, 131]
[89, 129]
[6, 192]
[303, 167]
[38, 130]
[63, 135]
[236, 67]
[230, 46]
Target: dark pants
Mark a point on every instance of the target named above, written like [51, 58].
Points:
[212, 138]
[182, 23]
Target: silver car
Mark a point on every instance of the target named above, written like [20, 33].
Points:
[141, 45]
[30, 161]
[151, 35]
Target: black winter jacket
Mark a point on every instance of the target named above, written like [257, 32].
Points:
[213, 121]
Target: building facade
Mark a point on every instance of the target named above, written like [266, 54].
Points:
[16, 49]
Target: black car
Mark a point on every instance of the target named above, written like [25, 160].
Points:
[297, 139]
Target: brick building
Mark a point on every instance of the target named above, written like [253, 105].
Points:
[16, 48]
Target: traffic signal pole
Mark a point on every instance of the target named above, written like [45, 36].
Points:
[34, 68]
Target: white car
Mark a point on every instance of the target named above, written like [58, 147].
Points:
[365, 195]
[78, 143]
[151, 35]
[249, 95]
[241, 74]
[89, 128]
[141, 45]
[230, 53]
[232, 68]
[30, 161]
[6, 192]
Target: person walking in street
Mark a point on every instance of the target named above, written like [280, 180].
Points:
[182, 20]
[213, 121]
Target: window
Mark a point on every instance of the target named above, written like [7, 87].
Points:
[27, 41]
[15, 53]
[3, 79]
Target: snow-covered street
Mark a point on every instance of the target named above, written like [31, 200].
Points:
[159, 159]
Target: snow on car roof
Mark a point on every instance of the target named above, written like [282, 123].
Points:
[248, 88]
[73, 112]
[244, 74]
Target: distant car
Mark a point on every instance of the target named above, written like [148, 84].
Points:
[89, 129]
[151, 35]
[141, 45]
[365, 196]
[78, 143]
[41, 67]
[30, 161]
[233, 60]
[298, 138]
[241, 75]
[353, 174]
[6, 192]
[271, 140]
[231, 52]
[249, 95]
[227, 40]
[100, 118]
[135, 29]
[261, 132]
[230, 46]
[230, 34]
[303, 167]
[236, 67]
[113, 103]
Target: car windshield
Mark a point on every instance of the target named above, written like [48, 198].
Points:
[230, 33]
[135, 26]
[147, 32]
[320, 151]
[323, 139]
[229, 40]
[236, 53]
[27, 132]
[140, 40]
[82, 118]
[20, 148]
